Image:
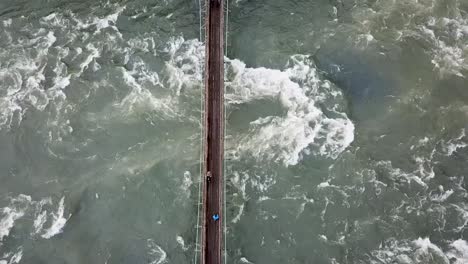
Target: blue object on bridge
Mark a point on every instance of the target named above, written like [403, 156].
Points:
[216, 217]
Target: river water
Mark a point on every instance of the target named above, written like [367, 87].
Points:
[346, 131]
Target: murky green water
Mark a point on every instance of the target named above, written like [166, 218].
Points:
[345, 141]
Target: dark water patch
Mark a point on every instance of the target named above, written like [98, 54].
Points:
[266, 33]
[365, 77]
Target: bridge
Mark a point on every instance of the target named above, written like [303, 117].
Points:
[213, 138]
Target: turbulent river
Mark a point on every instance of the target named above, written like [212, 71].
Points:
[346, 131]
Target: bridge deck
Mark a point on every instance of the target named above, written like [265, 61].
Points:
[212, 231]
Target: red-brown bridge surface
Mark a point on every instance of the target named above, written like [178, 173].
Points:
[212, 231]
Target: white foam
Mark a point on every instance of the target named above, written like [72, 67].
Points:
[323, 185]
[425, 168]
[181, 242]
[29, 66]
[16, 258]
[454, 144]
[185, 66]
[459, 251]
[107, 21]
[392, 252]
[453, 147]
[323, 238]
[245, 260]
[324, 211]
[239, 182]
[24, 207]
[397, 173]
[303, 204]
[13, 212]
[239, 214]
[102, 22]
[285, 138]
[93, 54]
[421, 250]
[449, 57]
[141, 100]
[8, 220]
[462, 211]
[363, 40]
[7, 22]
[186, 183]
[426, 251]
[58, 221]
[39, 222]
[155, 251]
[23, 66]
[443, 196]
